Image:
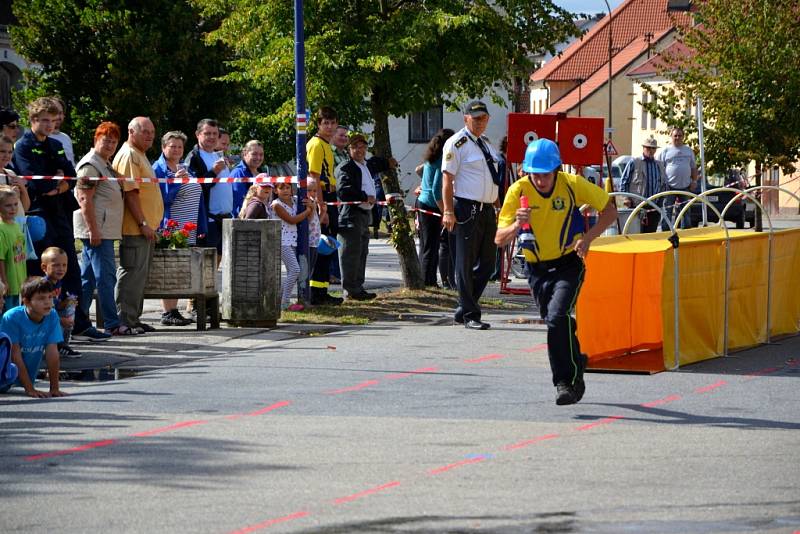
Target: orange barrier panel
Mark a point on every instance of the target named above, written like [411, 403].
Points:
[627, 306]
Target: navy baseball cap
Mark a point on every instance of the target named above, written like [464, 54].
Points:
[476, 108]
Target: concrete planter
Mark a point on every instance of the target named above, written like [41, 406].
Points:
[251, 272]
[183, 272]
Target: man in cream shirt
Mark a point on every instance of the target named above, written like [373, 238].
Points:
[144, 209]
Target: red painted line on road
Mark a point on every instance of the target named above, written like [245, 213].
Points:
[659, 402]
[421, 370]
[462, 463]
[528, 442]
[398, 376]
[711, 387]
[485, 358]
[80, 448]
[536, 348]
[269, 522]
[604, 421]
[270, 408]
[168, 428]
[365, 493]
[761, 372]
[362, 385]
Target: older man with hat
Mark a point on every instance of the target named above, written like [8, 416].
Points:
[470, 180]
[645, 176]
[355, 185]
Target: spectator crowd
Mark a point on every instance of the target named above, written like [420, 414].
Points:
[464, 215]
[48, 283]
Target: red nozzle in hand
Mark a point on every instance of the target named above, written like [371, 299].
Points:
[523, 203]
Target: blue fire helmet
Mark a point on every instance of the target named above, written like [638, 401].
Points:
[37, 228]
[541, 156]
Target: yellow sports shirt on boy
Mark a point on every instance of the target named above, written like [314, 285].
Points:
[555, 219]
[320, 161]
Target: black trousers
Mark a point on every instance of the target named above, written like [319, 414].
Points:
[447, 259]
[321, 274]
[650, 218]
[213, 238]
[475, 228]
[555, 285]
[430, 230]
[354, 251]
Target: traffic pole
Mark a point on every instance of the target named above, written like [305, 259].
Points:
[301, 125]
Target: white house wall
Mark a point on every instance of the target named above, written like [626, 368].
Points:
[409, 155]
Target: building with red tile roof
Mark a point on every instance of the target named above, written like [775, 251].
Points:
[576, 82]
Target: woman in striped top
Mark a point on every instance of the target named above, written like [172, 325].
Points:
[183, 203]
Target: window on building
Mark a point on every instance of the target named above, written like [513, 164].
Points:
[645, 100]
[653, 120]
[424, 125]
[648, 99]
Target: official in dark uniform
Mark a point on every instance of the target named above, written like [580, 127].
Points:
[555, 255]
[470, 180]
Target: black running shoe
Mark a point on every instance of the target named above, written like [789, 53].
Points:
[565, 394]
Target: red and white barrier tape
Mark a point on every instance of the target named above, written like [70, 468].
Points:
[412, 208]
[260, 179]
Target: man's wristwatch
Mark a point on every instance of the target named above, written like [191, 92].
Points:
[448, 212]
[142, 224]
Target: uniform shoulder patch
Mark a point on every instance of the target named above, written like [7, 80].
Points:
[460, 142]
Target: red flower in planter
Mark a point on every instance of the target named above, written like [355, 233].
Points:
[173, 235]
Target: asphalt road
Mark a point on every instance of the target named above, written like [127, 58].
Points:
[408, 427]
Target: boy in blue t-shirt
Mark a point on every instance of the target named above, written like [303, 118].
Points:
[54, 267]
[35, 331]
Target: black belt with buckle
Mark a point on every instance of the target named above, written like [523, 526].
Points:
[476, 203]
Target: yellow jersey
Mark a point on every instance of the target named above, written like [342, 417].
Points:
[556, 219]
[320, 161]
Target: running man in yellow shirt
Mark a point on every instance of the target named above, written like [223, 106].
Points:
[555, 256]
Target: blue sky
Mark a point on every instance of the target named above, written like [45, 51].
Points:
[587, 6]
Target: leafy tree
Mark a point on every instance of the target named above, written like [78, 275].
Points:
[116, 59]
[743, 66]
[371, 60]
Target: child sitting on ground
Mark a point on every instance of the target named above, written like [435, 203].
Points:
[12, 248]
[34, 331]
[54, 267]
[285, 209]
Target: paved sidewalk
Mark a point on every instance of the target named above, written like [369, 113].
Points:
[173, 345]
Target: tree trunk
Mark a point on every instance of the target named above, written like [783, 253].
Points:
[402, 235]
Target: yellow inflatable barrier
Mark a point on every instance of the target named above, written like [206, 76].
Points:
[732, 292]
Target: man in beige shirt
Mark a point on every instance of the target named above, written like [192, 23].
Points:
[144, 209]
